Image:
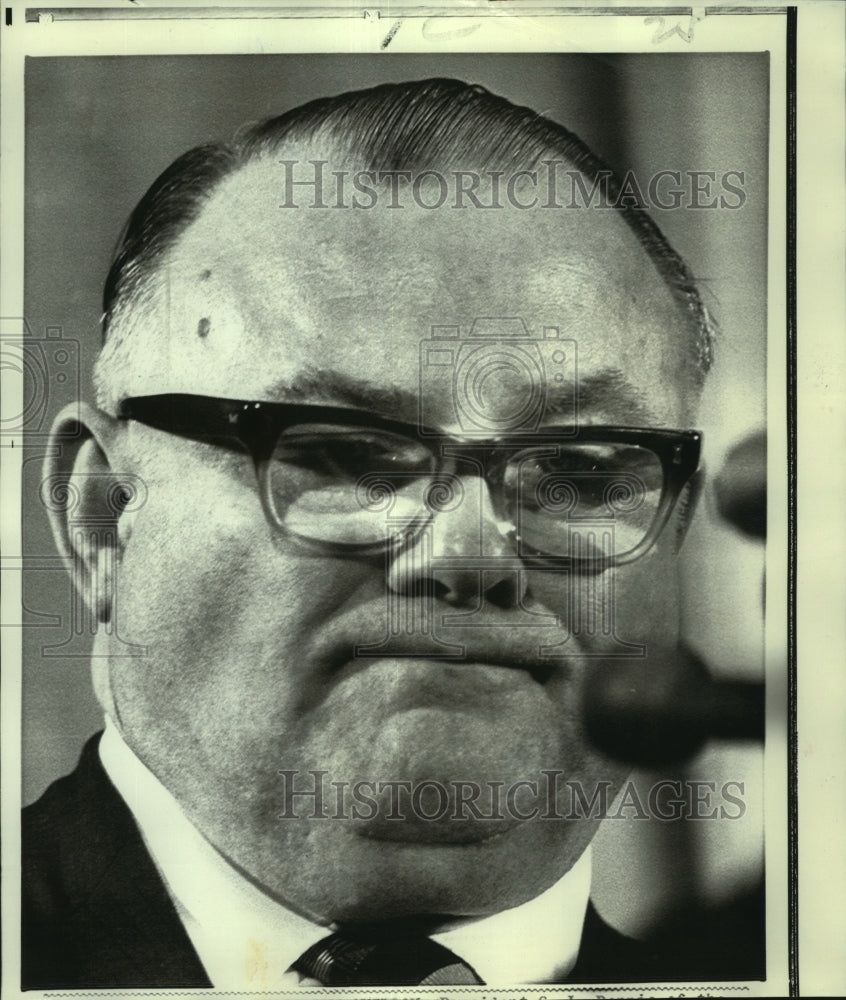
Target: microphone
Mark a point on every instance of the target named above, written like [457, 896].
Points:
[665, 708]
[741, 486]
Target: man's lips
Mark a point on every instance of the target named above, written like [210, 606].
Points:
[488, 658]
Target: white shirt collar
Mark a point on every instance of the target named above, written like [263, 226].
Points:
[248, 941]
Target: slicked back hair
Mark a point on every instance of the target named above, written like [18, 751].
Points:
[417, 125]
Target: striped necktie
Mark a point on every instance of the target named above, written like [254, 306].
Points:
[343, 960]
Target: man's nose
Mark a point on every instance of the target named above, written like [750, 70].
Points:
[463, 556]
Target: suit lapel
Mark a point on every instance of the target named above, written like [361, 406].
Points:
[122, 927]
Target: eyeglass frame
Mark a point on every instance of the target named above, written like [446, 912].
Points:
[257, 425]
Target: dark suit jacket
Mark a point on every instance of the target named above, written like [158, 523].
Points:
[97, 915]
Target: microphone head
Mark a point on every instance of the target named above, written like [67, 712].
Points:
[741, 486]
[662, 709]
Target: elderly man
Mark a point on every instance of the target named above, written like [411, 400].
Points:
[408, 388]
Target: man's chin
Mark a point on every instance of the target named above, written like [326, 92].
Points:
[331, 868]
[445, 830]
[390, 879]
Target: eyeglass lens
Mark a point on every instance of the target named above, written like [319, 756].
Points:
[361, 486]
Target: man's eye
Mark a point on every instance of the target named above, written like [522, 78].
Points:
[603, 460]
[349, 456]
[581, 479]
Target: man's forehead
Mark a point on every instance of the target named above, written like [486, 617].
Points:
[257, 293]
[253, 227]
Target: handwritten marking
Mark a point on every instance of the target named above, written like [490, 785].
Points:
[390, 35]
[662, 35]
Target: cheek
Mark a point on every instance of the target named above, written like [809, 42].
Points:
[185, 557]
[647, 598]
[230, 619]
[635, 603]
[221, 605]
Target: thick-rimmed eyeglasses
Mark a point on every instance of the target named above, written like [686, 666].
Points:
[354, 482]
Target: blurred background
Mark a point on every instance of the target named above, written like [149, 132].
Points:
[98, 132]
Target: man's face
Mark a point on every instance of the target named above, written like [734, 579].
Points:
[251, 667]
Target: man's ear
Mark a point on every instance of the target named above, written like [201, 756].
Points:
[85, 498]
[688, 502]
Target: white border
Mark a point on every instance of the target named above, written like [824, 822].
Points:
[499, 28]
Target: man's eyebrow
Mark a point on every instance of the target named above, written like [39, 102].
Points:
[605, 392]
[332, 387]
